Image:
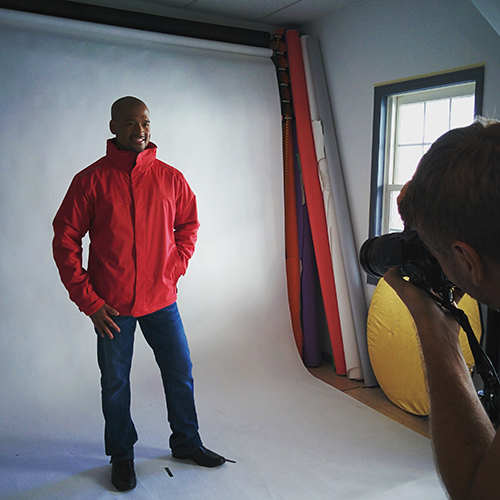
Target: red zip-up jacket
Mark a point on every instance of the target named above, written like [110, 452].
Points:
[142, 221]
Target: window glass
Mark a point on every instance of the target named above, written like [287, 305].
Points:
[461, 108]
[407, 160]
[411, 123]
[437, 119]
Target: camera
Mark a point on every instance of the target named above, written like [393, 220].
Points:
[407, 251]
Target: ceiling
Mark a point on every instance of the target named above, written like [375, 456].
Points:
[283, 13]
[490, 9]
[253, 14]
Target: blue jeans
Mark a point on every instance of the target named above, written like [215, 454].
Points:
[164, 332]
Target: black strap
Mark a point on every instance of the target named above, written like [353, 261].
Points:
[490, 395]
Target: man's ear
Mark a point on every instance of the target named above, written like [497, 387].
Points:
[112, 127]
[470, 261]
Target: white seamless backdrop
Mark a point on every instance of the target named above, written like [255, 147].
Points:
[215, 116]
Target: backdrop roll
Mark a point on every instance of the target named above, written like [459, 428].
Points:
[60, 79]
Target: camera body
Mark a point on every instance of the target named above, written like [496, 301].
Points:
[407, 251]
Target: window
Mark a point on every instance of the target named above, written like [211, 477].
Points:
[409, 116]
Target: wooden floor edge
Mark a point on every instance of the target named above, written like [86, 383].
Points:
[372, 397]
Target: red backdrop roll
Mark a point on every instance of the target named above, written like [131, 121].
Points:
[314, 196]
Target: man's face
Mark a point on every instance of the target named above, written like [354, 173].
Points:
[132, 128]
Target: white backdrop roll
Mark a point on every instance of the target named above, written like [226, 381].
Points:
[215, 116]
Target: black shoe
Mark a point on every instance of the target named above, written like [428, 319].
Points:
[123, 475]
[203, 457]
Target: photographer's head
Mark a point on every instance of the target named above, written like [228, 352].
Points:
[453, 201]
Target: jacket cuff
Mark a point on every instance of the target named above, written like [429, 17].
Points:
[91, 309]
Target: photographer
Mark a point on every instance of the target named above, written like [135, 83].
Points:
[453, 202]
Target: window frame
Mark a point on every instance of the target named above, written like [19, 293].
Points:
[393, 142]
[381, 96]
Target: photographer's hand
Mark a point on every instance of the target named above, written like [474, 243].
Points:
[421, 306]
[466, 450]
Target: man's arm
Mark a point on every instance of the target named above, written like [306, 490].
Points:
[186, 223]
[71, 224]
[467, 452]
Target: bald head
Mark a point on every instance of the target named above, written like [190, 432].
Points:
[123, 104]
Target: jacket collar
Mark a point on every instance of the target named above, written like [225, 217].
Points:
[127, 160]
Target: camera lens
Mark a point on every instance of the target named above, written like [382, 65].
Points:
[406, 251]
[366, 257]
[379, 254]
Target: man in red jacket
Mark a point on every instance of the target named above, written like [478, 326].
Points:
[142, 220]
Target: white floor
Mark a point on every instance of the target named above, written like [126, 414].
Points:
[292, 437]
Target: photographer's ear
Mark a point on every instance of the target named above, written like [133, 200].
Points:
[470, 261]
